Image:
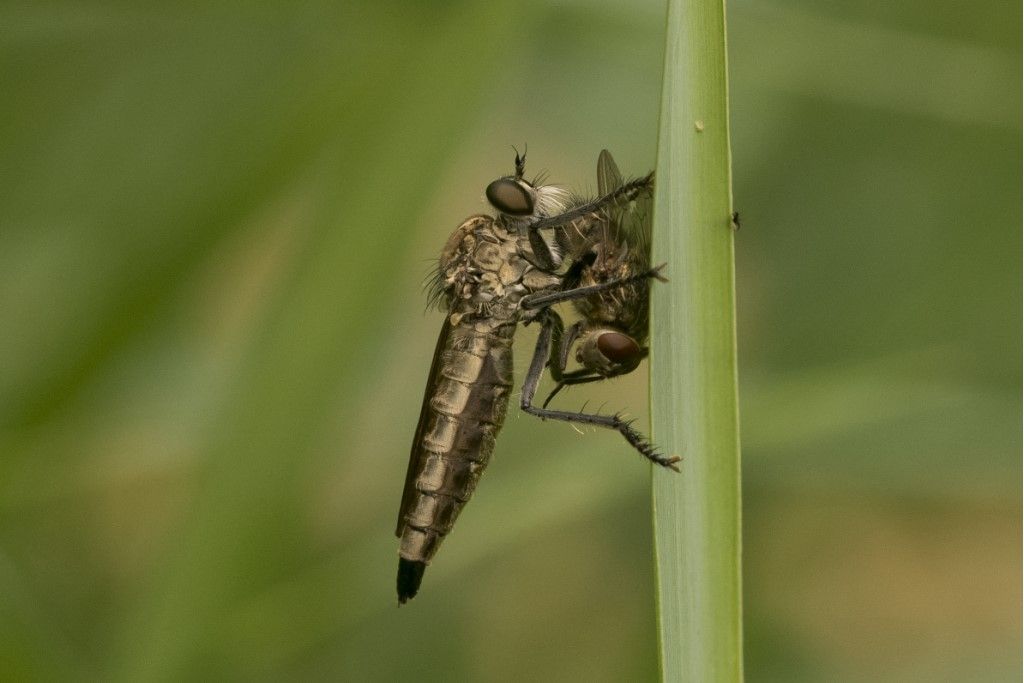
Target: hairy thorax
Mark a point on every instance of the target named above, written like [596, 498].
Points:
[485, 272]
[616, 307]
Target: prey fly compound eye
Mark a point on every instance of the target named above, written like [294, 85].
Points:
[619, 348]
[510, 197]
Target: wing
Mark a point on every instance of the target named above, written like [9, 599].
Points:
[608, 176]
[630, 224]
[636, 224]
[609, 179]
[577, 237]
[416, 454]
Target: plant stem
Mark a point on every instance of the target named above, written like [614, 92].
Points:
[693, 363]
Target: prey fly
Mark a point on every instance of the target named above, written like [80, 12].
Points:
[612, 245]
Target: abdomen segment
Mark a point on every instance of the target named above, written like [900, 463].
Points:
[464, 409]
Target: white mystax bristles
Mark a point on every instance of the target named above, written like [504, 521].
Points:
[551, 200]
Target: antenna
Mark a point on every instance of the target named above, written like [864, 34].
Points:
[520, 162]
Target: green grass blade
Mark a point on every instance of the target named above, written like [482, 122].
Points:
[693, 364]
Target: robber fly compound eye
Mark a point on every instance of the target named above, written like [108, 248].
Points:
[510, 197]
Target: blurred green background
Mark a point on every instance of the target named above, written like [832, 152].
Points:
[214, 224]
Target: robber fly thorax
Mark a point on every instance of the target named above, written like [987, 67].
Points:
[494, 273]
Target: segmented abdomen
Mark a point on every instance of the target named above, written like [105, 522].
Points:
[465, 409]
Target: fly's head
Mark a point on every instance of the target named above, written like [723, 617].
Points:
[608, 351]
[521, 201]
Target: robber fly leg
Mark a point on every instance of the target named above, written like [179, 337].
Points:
[616, 422]
[581, 376]
[621, 195]
[551, 321]
[561, 345]
[561, 342]
[543, 257]
[539, 300]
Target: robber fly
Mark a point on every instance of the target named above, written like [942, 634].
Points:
[494, 273]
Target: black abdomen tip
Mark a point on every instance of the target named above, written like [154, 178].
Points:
[410, 574]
